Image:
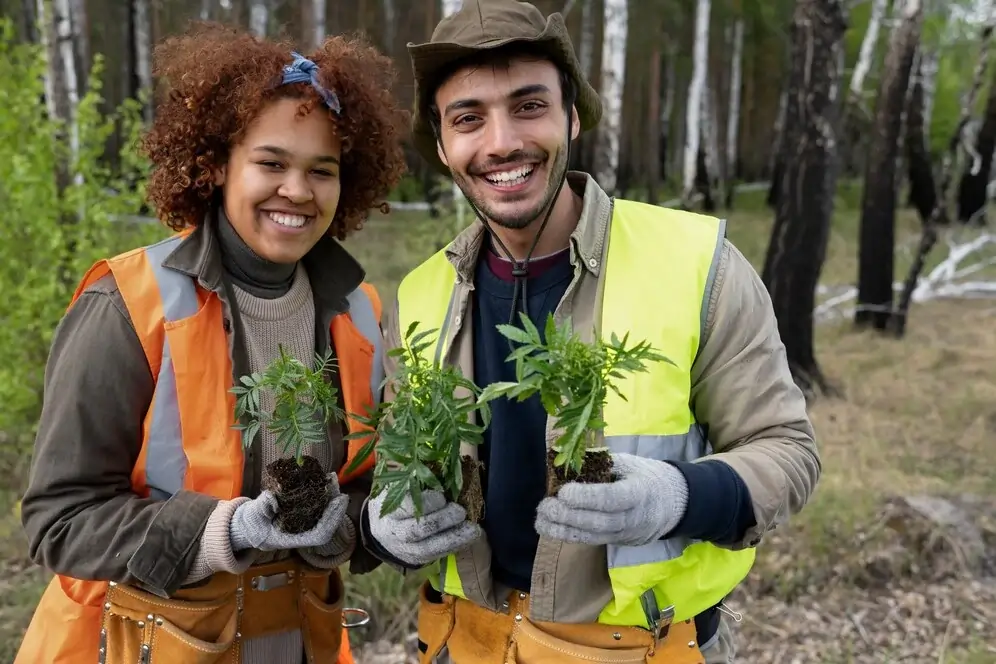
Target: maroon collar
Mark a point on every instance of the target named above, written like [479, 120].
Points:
[502, 268]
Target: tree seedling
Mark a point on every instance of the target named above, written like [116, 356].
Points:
[417, 435]
[304, 404]
[572, 378]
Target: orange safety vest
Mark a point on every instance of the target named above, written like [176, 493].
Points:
[188, 441]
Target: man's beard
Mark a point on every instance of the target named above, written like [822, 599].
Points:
[517, 220]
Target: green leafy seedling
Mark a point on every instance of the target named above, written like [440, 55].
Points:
[418, 433]
[304, 403]
[573, 378]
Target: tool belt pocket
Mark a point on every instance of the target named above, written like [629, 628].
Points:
[531, 644]
[320, 606]
[436, 618]
[137, 626]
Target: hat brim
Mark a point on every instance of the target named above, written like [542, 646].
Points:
[430, 58]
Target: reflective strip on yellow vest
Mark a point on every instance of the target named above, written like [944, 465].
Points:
[667, 306]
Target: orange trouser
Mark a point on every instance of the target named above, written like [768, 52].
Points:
[472, 634]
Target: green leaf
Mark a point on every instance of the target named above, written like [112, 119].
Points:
[514, 333]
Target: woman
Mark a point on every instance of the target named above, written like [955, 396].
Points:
[141, 499]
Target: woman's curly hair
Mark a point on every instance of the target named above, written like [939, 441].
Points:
[218, 78]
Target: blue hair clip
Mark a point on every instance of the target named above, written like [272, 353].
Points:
[303, 70]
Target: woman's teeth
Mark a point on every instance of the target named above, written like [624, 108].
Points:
[292, 220]
[511, 178]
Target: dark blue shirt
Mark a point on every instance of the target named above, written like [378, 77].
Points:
[514, 447]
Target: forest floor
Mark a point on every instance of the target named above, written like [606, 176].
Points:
[894, 558]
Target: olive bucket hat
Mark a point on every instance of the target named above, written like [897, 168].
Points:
[484, 25]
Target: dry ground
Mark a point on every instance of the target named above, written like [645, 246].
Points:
[837, 585]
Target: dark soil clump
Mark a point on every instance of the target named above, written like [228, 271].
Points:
[302, 492]
[597, 469]
[472, 494]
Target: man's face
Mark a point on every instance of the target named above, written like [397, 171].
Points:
[503, 136]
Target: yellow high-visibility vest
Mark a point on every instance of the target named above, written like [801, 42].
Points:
[657, 276]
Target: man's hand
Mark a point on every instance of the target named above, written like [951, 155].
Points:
[442, 529]
[643, 505]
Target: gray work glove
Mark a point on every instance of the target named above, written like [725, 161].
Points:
[643, 505]
[252, 524]
[442, 529]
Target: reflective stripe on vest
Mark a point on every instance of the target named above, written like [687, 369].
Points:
[165, 460]
[656, 420]
[188, 438]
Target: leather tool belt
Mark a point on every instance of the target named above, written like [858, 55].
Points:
[207, 623]
[470, 634]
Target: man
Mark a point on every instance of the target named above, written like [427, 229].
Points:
[709, 454]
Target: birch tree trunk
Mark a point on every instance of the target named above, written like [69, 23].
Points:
[972, 191]
[206, 6]
[62, 99]
[710, 180]
[613, 77]
[696, 88]
[867, 52]
[259, 17]
[733, 115]
[928, 236]
[878, 209]
[142, 44]
[80, 29]
[808, 182]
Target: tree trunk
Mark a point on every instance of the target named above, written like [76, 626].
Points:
[776, 167]
[807, 185]
[923, 189]
[696, 93]
[867, 51]
[710, 177]
[652, 147]
[878, 209]
[142, 47]
[972, 191]
[928, 236]
[613, 77]
[733, 116]
[259, 17]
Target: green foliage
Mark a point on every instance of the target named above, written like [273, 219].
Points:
[51, 236]
[572, 378]
[304, 403]
[418, 434]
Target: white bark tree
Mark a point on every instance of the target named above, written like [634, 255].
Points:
[867, 51]
[141, 38]
[259, 17]
[613, 76]
[733, 115]
[696, 88]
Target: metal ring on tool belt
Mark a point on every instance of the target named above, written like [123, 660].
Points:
[363, 620]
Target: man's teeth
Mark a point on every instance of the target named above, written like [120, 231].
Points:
[510, 178]
[292, 220]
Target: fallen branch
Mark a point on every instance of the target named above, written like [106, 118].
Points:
[945, 280]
